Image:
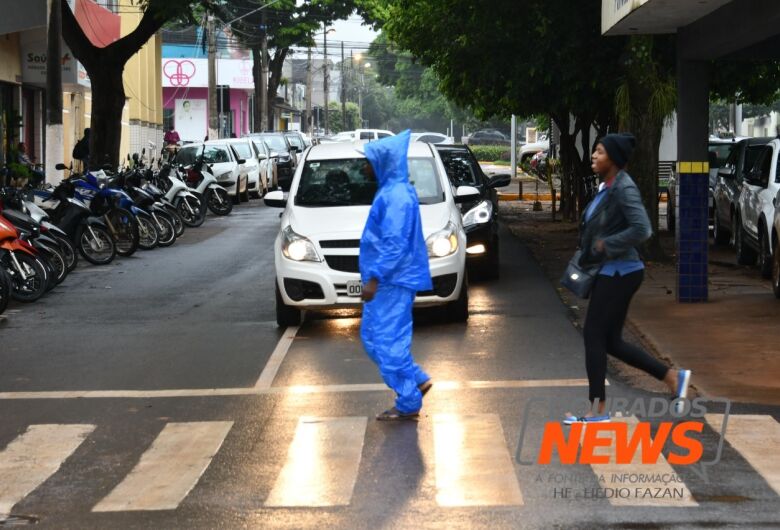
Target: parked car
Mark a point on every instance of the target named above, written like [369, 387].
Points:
[287, 161]
[296, 140]
[224, 163]
[433, 138]
[728, 186]
[753, 237]
[776, 248]
[343, 136]
[246, 150]
[372, 134]
[487, 137]
[526, 152]
[480, 216]
[268, 171]
[316, 250]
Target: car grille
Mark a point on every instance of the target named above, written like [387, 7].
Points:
[340, 243]
[343, 263]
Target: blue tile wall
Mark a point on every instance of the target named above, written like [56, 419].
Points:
[692, 237]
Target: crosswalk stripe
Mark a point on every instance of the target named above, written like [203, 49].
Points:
[473, 465]
[322, 463]
[169, 469]
[619, 484]
[33, 457]
[757, 438]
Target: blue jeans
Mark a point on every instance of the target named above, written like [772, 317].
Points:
[386, 331]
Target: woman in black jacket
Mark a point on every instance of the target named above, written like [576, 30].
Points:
[612, 226]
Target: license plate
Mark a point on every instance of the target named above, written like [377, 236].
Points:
[354, 288]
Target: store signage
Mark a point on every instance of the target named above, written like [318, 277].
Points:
[193, 73]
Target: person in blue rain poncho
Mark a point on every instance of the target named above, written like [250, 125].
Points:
[393, 267]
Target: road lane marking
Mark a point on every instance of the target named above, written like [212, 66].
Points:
[473, 465]
[440, 386]
[622, 493]
[268, 374]
[169, 469]
[33, 457]
[757, 438]
[322, 463]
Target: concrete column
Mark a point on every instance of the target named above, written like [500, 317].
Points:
[692, 235]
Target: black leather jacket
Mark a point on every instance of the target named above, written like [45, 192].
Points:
[620, 220]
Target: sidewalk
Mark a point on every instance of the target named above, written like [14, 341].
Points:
[731, 343]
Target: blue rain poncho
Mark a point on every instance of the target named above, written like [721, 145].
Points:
[393, 251]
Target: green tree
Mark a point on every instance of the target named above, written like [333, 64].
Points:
[334, 114]
[106, 65]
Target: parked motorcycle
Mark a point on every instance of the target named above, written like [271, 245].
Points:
[28, 275]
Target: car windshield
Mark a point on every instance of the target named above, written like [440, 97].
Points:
[295, 140]
[343, 182]
[212, 154]
[243, 150]
[460, 168]
[275, 142]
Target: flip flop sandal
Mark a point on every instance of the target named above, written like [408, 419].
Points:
[394, 415]
[425, 387]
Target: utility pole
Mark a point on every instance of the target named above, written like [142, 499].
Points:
[343, 93]
[325, 78]
[212, 61]
[309, 121]
[263, 74]
[54, 131]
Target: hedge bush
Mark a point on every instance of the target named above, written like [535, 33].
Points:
[491, 153]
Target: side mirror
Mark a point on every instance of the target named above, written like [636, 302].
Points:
[499, 181]
[241, 161]
[466, 194]
[275, 199]
[726, 173]
[60, 167]
[262, 156]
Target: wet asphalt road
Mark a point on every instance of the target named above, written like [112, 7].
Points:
[179, 338]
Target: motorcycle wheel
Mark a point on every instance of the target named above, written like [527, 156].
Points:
[95, 244]
[165, 228]
[194, 218]
[148, 235]
[36, 282]
[57, 264]
[178, 224]
[127, 233]
[68, 252]
[218, 201]
[5, 289]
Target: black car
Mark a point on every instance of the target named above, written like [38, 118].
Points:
[488, 137]
[728, 185]
[288, 159]
[480, 217]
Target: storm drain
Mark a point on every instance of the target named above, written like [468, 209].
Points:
[19, 520]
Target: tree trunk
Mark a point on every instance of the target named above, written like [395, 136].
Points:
[275, 78]
[108, 102]
[643, 168]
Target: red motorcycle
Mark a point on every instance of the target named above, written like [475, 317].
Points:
[27, 273]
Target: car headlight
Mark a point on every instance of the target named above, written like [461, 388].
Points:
[479, 214]
[224, 176]
[444, 242]
[296, 247]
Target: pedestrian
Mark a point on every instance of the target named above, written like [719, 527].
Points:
[81, 150]
[22, 157]
[393, 267]
[613, 225]
[171, 137]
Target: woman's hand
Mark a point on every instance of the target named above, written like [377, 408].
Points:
[369, 290]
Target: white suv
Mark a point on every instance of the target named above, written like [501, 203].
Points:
[316, 250]
[753, 237]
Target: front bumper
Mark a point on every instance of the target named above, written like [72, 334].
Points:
[329, 286]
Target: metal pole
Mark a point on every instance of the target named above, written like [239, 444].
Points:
[213, 132]
[325, 78]
[263, 75]
[309, 121]
[343, 93]
[513, 156]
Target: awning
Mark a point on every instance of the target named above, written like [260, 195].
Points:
[627, 17]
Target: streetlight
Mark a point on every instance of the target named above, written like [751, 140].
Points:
[325, 76]
[361, 68]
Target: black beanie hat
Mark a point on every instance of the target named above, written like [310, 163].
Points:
[619, 147]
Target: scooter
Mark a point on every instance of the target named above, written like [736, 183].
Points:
[212, 194]
[28, 275]
[187, 203]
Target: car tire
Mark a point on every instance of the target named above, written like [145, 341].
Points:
[719, 236]
[458, 310]
[765, 256]
[776, 271]
[245, 195]
[286, 315]
[745, 254]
